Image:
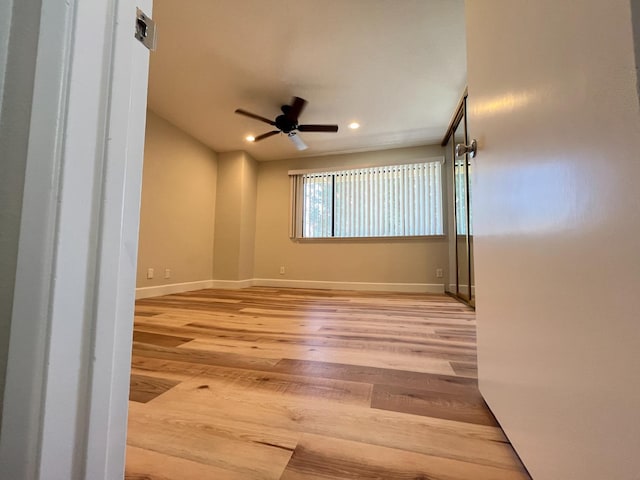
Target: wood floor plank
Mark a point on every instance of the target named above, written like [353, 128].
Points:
[254, 382]
[269, 383]
[149, 465]
[411, 361]
[145, 388]
[176, 433]
[468, 407]
[220, 426]
[161, 319]
[318, 457]
[173, 370]
[159, 339]
[373, 375]
[141, 313]
[209, 357]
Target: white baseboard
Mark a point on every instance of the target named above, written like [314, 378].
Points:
[377, 287]
[232, 284]
[157, 291]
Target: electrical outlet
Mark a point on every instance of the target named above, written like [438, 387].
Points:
[439, 273]
[149, 273]
[167, 273]
[281, 270]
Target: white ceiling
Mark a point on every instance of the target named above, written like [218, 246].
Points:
[396, 66]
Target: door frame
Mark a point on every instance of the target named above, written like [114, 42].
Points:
[459, 116]
[67, 380]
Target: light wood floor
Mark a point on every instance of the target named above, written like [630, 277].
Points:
[296, 384]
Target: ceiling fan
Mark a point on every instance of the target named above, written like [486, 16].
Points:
[288, 123]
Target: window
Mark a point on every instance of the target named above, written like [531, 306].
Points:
[387, 201]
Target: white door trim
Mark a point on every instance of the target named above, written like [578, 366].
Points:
[65, 403]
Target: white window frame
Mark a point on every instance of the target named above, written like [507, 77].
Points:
[296, 227]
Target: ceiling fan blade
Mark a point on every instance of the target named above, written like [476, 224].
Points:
[318, 128]
[253, 115]
[297, 141]
[266, 135]
[294, 111]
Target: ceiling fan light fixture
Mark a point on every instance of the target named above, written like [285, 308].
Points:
[354, 125]
[250, 138]
[297, 141]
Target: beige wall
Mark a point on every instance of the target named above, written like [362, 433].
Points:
[235, 217]
[225, 217]
[248, 217]
[178, 205]
[370, 260]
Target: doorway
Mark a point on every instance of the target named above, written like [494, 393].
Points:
[460, 202]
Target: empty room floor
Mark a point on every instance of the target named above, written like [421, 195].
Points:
[266, 383]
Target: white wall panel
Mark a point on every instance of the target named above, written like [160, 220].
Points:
[554, 106]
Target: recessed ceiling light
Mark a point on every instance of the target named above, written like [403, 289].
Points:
[354, 125]
[250, 138]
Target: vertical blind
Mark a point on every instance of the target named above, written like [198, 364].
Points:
[388, 201]
[317, 206]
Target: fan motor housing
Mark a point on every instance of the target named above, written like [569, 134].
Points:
[285, 124]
